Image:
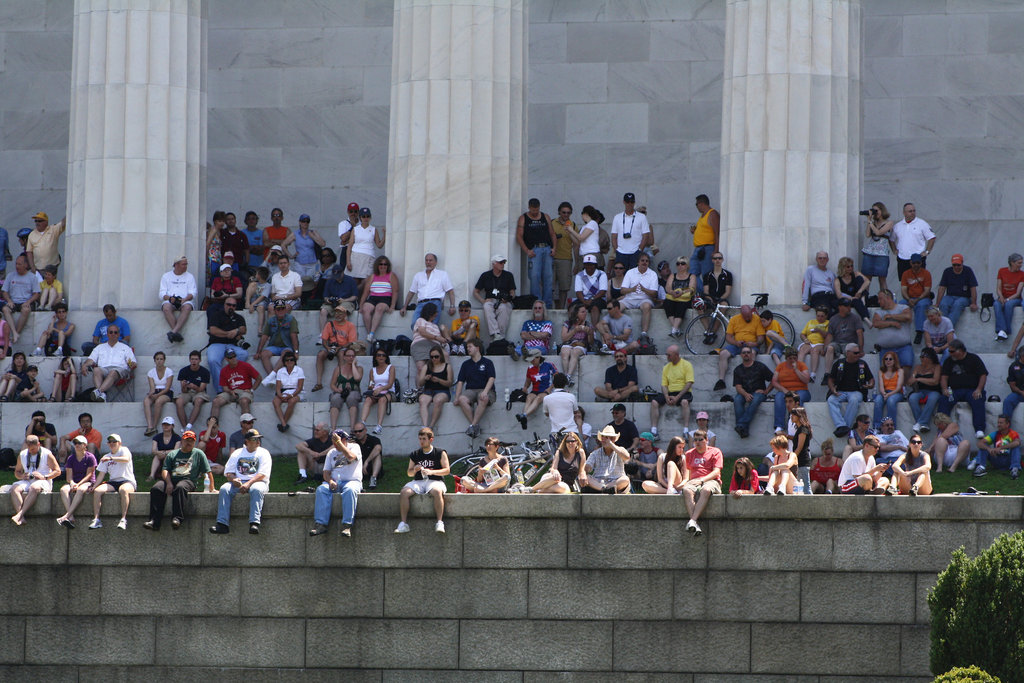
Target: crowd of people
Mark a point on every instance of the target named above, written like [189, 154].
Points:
[597, 275]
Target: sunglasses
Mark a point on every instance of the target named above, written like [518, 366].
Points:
[620, 267]
[358, 431]
[435, 356]
[717, 258]
[700, 438]
[916, 441]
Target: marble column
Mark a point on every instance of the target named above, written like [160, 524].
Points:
[457, 148]
[791, 140]
[137, 151]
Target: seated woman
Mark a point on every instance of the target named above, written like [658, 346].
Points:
[890, 389]
[492, 475]
[378, 295]
[780, 474]
[337, 334]
[950, 447]
[80, 470]
[288, 389]
[577, 337]
[670, 469]
[257, 295]
[925, 378]
[161, 390]
[212, 442]
[10, 379]
[852, 285]
[538, 383]
[566, 474]
[745, 481]
[65, 380]
[436, 379]
[163, 443]
[426, 334]
[913, 471]
[812, 341]
[56, 334]
[463, 328]
[380, 390]
[825, 470]
[344, 387]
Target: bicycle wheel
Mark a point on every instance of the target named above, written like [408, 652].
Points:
[788, 331]
[704, 334]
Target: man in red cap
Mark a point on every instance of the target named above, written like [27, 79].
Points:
[958, 289]
[345, 234]
[183, 471]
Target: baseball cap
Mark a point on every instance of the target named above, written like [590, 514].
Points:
[226, 266]
[916, 258]
[252, 434]
[532, 353]
[353, 207]
[341, 434]
[365, 211]
[167, 420]
[247, 417]
[230, 353]
[304, 218]
[279, 303]
[618, 406]
[845, 302]
[229, 254]
[629, 197]
[181, 258]
[80, 439]
[114, 437]
[590, 258]
[498, 258]
[41, 216]
[703, 415]
[24, 232]
[188, 435]
[957, 258]
[277, 248]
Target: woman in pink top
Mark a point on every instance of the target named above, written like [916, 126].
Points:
[378, 295]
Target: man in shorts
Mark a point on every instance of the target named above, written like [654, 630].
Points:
[704, 463]
[117, 466]
[312, 453]
[744, 330]
[237, 380]
[428, 466]
[474, 389]
[616, 330]
[34, 473]
[193, 378]
[605, 465]
[860, 474]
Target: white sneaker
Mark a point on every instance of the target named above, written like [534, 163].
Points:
[813, 376]
[439, 527]
[690, 525]
[979, 434]
[377, 430]
[188, 427]
[59, 352]
[123, 524]
[654, 433]
[102, 395]
[671, 491]
[1000, 336]
[402, 528]
[778, 430]
[96, 524]
[972, 464]
[916, 427]
[38, 352]
[369, 338]
[697, 531]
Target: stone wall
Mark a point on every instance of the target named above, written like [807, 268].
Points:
[520, 588]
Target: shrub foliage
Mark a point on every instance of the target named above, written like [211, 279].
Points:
[966, 674]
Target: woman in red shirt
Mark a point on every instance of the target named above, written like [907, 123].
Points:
[212, 442]
[825, 470]
[1009, 282]
[745, 481]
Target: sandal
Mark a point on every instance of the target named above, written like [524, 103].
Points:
[52, 399]
[318, 387]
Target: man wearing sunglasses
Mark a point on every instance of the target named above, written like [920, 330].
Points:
[41, 248]
[227, 331]
[704, 464]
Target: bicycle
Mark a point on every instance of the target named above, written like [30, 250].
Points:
[706, 333]
[526, 460]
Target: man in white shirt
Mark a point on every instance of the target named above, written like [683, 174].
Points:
[109, 362]
[120, 472]
[818, 287]
[429, 286]
[640, 290]
[345, 233]
[912, 235]
[630, 233]
[247, 471]
[286, 284]
[560, 407]
[860, 474]
[178, 293]
[343, 474]
[591, 287]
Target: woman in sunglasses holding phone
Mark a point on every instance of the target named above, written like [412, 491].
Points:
[912, 471]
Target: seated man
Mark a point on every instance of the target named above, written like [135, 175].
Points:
[279, 333]
[812, 341]
[238, 380]
[286, 284]
[676, 381]
[620, 381]
[99, 333]
[605, 465]
[640, 290]
[744, 330]
[616, 330]
[818, 287]
[891, 442]
[704, 464]
[629, 435]
[474, 388]
[237, 439]
[938, 332]
[860, 474]
[536, 332]
[848, 379]
[20, 293]
[339, 288]
[752, 381]
[1014, 382]
[117, 466]
[963, 379]
[495, 289]
[312, 453]
[183, 470]
[645, 462]
[1000, 449]
[178, 293]
[561, 408]
[247, 471]
[463, 328]
[892, 327]
[227, 331]
[342, 474]
[916, 292]
[372, 450]
[958, 289]
[110, 362]
[34, 472]
[538, 383]
[42, 430]
[85, 429]
[591, 287]
[428, 466]
[193, 378]
[335, 337]
[845, 327]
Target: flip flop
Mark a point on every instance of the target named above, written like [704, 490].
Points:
[318, 387]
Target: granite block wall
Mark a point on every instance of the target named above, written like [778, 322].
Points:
[520, 588]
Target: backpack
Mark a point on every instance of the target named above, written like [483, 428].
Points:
[646, 348]
[604, 240]
[523, 302]
[403, 345]
[8, 458]
[498, 347]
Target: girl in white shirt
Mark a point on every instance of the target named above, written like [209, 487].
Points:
[288, 389]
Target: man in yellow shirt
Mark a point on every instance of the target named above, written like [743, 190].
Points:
[562, 256]
[676, 382]
[41, 247]
[705, 237]
[744, 330]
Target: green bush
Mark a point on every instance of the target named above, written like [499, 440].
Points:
[978, 613]
[966, 674]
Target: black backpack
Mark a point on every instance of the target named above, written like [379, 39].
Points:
[499, 347]
[523, 302]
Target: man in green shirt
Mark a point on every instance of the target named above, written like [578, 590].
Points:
[184, 470]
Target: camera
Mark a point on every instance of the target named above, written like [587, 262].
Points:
[175, 301]
[242, 344]
[332, 352]
[865, 212]
[333, 300]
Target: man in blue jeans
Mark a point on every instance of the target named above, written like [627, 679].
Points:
[1014, 380]
[536, 236]
[848, 379]
[752, 381]
[963, 379]
[958, 289]
[247, 471]
[1001, 447]
[343, 474]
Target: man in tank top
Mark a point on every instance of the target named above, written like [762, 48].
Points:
[536, 237]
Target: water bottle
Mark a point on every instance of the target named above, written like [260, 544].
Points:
[798, 488]
[508, 394]
[519, 477]
[530, 472]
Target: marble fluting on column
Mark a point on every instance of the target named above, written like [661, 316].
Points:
[791, 140]
[457, 152]
[137, 152]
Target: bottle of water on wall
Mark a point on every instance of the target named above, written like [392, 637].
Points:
[798, 488]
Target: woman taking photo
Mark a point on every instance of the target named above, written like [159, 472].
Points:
[874, 260]
[925, 377]
[680, 288]
[670, 469]
[890, 389]
[161, 391]
[566, 474]
[381, 389]
[344, 387]
[435, 378]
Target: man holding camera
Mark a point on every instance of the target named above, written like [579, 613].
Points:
[178, 292]
[335, 336]
[339, 288]
[226, 330]
[495, 289]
